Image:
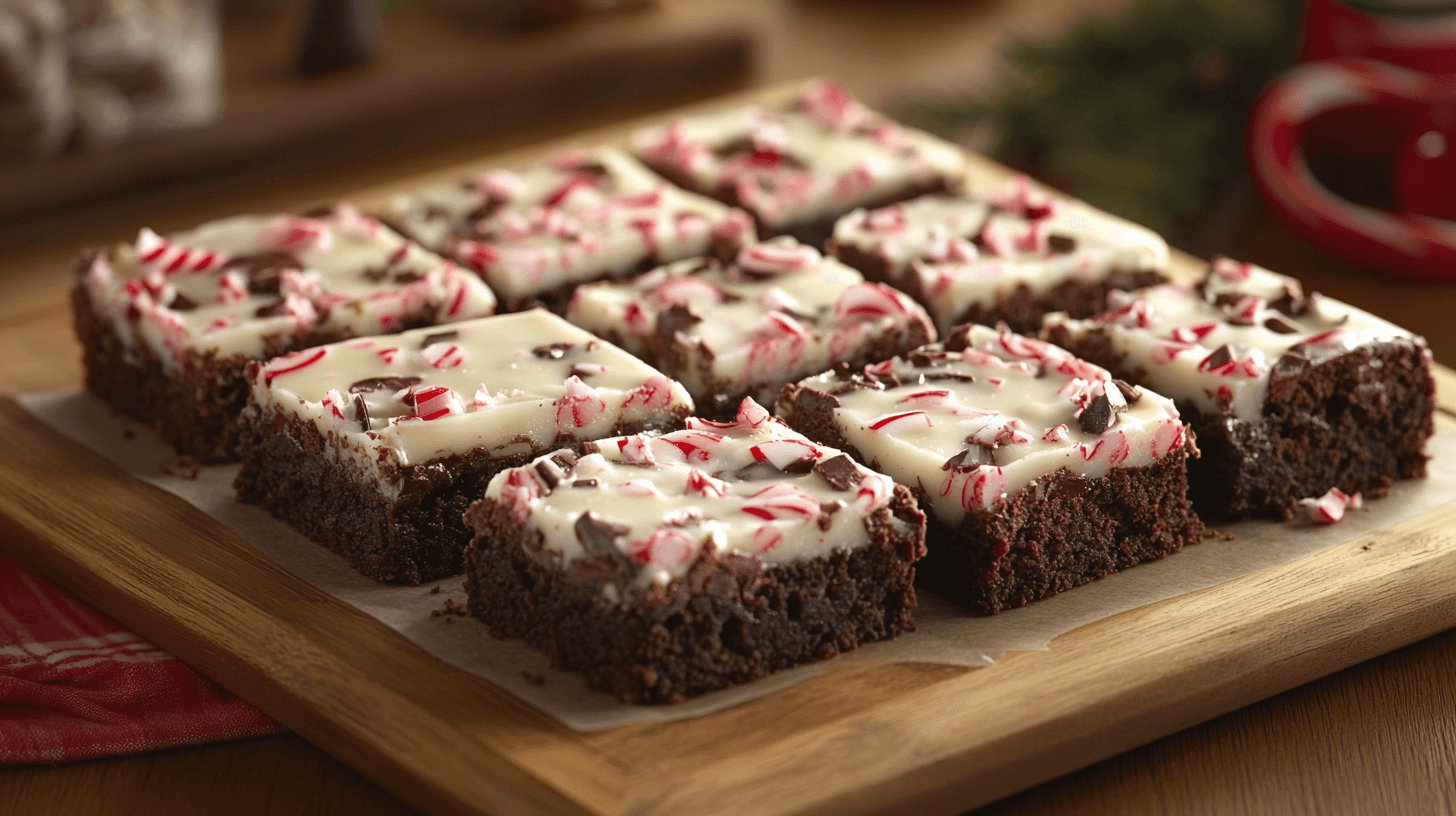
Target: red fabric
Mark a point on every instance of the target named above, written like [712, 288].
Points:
[75, 685]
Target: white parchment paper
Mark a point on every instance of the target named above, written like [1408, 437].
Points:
[944, 634]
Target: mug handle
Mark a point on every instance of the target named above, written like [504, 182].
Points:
[1405, 245]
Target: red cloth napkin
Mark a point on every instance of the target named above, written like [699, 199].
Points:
[75, 685]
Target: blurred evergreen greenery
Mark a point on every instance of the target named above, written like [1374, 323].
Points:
[1141, 113]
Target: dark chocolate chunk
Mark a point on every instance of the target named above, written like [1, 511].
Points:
[931, 376]
[263, 268]
[1097, 415]
[584, 371]
[408, 276]
[1130, 393]
[757, 472]
[320, 211]
[182, 303]
[599, 538]
[438, 337]
[1061, 244]
[275, 309]
[1222, 355]
[391, 382]
[1238, 319]
[1292, 302]
[839, 471]
[958, 338]
[1290, 364]
[361, 412]
[971, 458]
[1279, 325]
[585, 483]
[489, 207]
[798, 467]
[548, 475]
[554, 351]
[887, 380]
[564, 459]
[1225, 299]
[674, 319]
[374, 274]
[924, 359]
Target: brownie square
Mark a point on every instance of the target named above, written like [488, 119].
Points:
[662, 567]
[375, 447]
[1038, 471]
[167, 325]
[1008, 255]
[799, 168]
[537, 232]
[1289, 394]
[779, 312]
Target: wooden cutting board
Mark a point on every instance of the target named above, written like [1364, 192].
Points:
[905, 737]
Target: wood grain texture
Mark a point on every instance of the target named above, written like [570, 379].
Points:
[934, 739]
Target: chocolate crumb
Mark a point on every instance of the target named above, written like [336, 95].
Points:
[1290, 363]
[599, 537]
[548, 475]
[564, 459]
[374, 274]
[1097, 415]
[182, 303]
[674, 319]
[183, 466]
[361, 412]
[584, 371]
[1223, 355]
[959, 338]
[275, 309]
[948, 375]
[435, 590]
[839, 471]
[408, 276]
[585, 483]
[533, 678]
[1061, 244]
[1279, 325]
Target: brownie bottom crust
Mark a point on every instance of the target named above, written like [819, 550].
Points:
[1356, 422]
[728, 622]
[1060, 533]
[1021, 309]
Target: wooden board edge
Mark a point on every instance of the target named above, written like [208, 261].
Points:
[81, 540]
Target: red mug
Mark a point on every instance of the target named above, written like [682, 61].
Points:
[1377, 72]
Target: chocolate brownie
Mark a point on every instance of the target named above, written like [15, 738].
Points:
[779, 312]
[662, 567]
[536, 232]
[375, 447]
[1009, 255]
[798, 169]
[1039, 471]
[167, 325]
[1289, 394]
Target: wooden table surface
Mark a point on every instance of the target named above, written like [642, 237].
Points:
[1376, 738]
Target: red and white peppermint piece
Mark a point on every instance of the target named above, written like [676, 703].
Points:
[1193, 333]
[778, 258]
[701, 484]
[784, 453]
[1000, 430]
[1056, 434]
[520, 489]
[499, 185]
[579, 406]
[641, 489]
[981, 487]
[218, 324]
[833, 107]
[765, 538]
[297, 234]
[1329, 339]
[476, 255]
[780, 501]
[751, 414]
[483, 398]
[935, 396]
[1027, 348]
[334, 403]
[1330, 508]
[695, 445]
[776, 325]
[683, 290]
[776, 299]
[1167, 438]
[568, 188]
[232, 287]
[303, 284]
[442, 355]
[1163, 351]
[649, 199]
[665, 548]
[301, 311]
[635, 449]
[289, 363]
[885, 220]
[1231, 270]
[431, 401]
[1034, 237]
[1245, 310]
[157, 254]
[871, 301]
[388, 354]
[1137, 314]
[1021, 198]
[1077, 367]
[347, 219]
[998, 238]
[674, 147]
[874, 490]
[654, 394]
[854, 183]
[902, 421]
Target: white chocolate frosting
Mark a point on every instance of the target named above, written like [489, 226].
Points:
[751, 487]
[824, 156]
[509, 385]
[243, 285]
[973, 426]
[585, 215]
[780, 311]
[979, 248]
[1217, 343]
